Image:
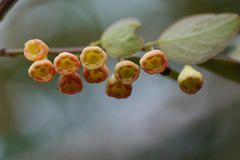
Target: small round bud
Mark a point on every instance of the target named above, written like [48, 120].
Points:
[154, 62]
[190, 80]
[93, 57]
[117, 89]
[66, 63]
[96, 75]
[70, 84]
[35, 49]
[42, 71]
[126, 72]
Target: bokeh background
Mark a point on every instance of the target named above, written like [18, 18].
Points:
[158, 121]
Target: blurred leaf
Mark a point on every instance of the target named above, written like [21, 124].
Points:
[198, 38]
[234, 52]
[227, 68]
[120, 39]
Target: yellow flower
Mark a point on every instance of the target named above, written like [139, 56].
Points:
[93, 57]
[70, 84]
[66, 63]
[117, 89]
[190, 80]
[35, 49]
[154, 62]
[42, 71]
[96, 75]
[126, 72]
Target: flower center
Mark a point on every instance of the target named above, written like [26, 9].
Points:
[67, 63]
[119, 88]
[95, 74]
[93, 57]
[127, 72]
[42, 71]
[154, 63]
[33, 48]
[191, 84]
[71, 85]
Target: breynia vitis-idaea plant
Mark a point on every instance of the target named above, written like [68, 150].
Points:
[202, 40]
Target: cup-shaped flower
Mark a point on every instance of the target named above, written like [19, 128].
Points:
[190, 80]
[42, 71]
[117, 89]
[66, 63]
[153, 62]
[96, 75]
[93, 57]
[126, 72]
[35, 49]
[70, 84]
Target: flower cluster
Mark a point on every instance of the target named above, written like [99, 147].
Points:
[126, 72]
[93, 60]
[120, 83]
[41, 70]
[67, 65]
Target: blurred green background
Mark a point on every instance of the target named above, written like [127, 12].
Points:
[158, 121]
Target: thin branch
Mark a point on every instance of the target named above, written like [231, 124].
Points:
[14, 52]
[5, 6]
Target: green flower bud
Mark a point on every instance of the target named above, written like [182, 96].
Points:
[190, 80]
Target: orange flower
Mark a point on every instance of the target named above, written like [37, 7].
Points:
[154, 62]
[42, 71]
[35, 49]
[96, 75]
[66, 63]
[70, 84]
[93, 57]
[126, 72]
[117, 89]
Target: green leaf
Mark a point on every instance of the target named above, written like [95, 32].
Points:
[224, 67]
[120, 39]
[196, 39]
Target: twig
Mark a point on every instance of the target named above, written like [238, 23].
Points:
[5, 6]
[14, 52]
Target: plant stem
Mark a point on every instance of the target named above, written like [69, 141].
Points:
[170, 73]
[96, 43]
[149, 45]
[15, 52]
[5, 6]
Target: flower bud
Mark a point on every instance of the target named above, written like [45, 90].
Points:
[154, 62]
[96, 75]
[66, 63]
[190, 80]
[126, 72]
[42, 71]
[117, 89]
[35, 49]
[93, 57]
[70, 84]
